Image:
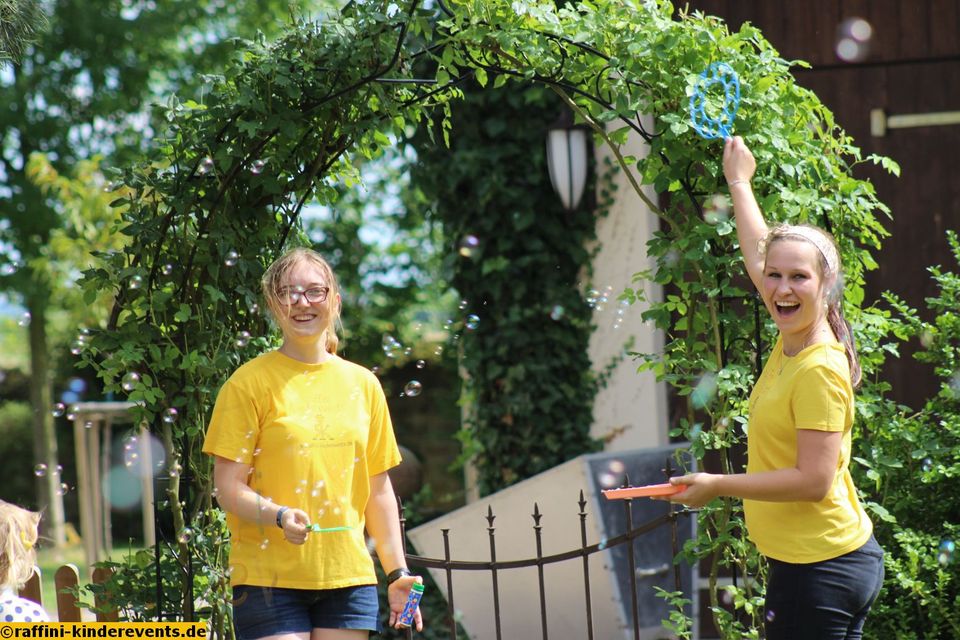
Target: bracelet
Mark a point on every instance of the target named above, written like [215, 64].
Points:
[396, 574]
[733, 182]
[280, 512]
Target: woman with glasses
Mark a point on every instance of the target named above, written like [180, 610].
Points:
[302, 442]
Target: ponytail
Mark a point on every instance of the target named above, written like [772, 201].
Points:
[844, 333]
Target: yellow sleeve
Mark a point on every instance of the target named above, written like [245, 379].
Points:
[821, 400]
[234, 425]
[382, 451]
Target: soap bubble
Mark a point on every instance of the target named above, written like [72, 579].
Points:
[206, 166]
[716, 209]
[946, 552]
[771, 615]
[853, 39]
[256, 167]
[24, 319]
[186, 535]
[124, 489]
[468, 246]
[166, 269]
[170, 415]
[557, 312]
[463, 305]
[421, 364]
[607, 480]
[392, 348]
[472, 322]
[135, 282]
[59, 409]
[143, 457]
[230, 260]
[130, 380]
[242, 338]
[412, 389]
[704, 390]
[40, 470]
[63, 489]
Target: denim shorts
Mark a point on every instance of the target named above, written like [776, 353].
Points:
[826, 600]
[266, 611]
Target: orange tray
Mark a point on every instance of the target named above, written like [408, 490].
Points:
[643, 492]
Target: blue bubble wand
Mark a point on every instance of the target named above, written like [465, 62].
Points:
[720, 126]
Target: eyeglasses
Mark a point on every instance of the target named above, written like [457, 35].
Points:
[292, 295]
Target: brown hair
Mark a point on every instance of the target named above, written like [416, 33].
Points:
[18, 540]
[273, 279]
[831, 274]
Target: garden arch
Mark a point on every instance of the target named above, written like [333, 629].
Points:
[290, 121]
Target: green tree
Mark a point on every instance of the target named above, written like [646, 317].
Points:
[20, 21]
[82, 89]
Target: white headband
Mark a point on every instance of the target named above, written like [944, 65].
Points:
[812, 236]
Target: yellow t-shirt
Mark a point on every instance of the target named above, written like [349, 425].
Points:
[314, 435]
[810, 390]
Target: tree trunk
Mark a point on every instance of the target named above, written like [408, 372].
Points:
[49, 494]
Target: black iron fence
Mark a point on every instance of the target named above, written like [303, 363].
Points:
[583, 553]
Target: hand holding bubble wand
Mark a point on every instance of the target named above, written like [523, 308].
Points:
[719, 126]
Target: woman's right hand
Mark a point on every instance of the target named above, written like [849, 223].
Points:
[738, 162]
[294, 523]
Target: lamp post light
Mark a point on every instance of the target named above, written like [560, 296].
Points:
[567, 159]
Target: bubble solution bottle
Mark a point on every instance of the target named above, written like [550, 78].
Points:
[410, 607]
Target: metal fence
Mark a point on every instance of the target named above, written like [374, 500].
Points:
[582, 554]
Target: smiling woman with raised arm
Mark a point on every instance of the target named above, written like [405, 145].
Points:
[799, 501]
[302, 442]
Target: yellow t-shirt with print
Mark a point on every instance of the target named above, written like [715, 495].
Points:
[810, 390]
[313, 435]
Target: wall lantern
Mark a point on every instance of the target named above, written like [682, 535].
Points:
[567, 159]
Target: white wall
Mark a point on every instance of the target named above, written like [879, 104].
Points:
[631, 411]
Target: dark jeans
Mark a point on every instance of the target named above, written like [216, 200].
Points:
[826, 600]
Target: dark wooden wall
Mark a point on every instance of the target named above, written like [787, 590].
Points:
[913, 67]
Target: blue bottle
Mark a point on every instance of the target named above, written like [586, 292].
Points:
[410, 607]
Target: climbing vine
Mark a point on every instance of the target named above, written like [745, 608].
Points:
[517, 257]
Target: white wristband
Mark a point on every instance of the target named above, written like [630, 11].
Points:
[733, 182]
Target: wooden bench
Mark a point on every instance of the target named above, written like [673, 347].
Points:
[68, 609]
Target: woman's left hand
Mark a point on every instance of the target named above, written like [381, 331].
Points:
[701, 489]
[397, 593]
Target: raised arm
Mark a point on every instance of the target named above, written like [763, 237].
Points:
[738, 167]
